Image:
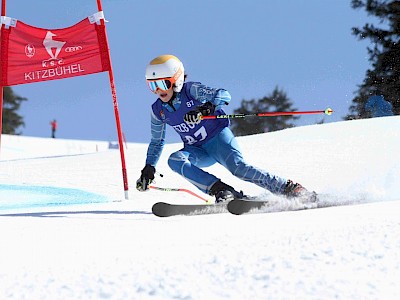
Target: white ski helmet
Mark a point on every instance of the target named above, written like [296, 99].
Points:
[166, 66]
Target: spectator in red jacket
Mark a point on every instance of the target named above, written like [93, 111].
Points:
[53, 128]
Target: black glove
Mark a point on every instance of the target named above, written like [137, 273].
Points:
[142, 184]
[194, 116]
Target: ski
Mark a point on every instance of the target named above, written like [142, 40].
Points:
[241, 206]
[163, 209]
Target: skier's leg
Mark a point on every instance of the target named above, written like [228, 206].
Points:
[188, 161]
[225, 149]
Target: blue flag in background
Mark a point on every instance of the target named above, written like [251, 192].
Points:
[379, 107]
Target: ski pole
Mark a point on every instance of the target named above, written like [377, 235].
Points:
[327, 111]
[178, 190]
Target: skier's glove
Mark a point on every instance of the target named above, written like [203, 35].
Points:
[142, 184]
[194, 116]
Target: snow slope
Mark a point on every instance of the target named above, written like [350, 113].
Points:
[67, 233]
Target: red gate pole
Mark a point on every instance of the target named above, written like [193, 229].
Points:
[3, 13]
[116, 112]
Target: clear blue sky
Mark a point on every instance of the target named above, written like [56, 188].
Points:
[247, 47]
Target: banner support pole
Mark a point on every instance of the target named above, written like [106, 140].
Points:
[3, 13]
[116, 111]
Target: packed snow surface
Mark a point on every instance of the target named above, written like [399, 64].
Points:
[68, 233]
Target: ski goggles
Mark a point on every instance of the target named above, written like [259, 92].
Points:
[164, 84]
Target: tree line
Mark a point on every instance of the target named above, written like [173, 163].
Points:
[12, 121]
[383, 78]
[384, 54]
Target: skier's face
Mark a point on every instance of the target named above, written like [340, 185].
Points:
[165, 96]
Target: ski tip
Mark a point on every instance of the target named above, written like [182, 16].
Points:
[158, 207]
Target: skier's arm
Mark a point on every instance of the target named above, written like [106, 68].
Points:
[212, 99]
[157, 140]
[203, 93]
[153, 154]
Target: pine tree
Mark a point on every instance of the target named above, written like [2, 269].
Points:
[11, 119]
[384, 77]
[277, 101]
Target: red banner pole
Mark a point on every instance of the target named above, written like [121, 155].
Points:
[3, 13]
[116, 112]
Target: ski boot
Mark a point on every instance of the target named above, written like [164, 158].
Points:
[296, 190]
[224, 192]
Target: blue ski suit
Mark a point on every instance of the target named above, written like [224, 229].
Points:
[205, 143]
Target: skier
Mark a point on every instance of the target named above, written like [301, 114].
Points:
[181, 105]
[53, 125]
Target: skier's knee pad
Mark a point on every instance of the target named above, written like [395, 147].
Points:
[176, 160]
